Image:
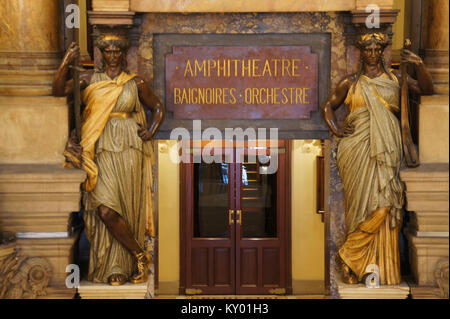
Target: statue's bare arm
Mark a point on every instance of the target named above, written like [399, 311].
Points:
[62, 87]
[334, 101]
[150, 101]
[424, 83]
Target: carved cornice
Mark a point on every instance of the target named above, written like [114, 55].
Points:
[125, 23]
[111, 18]
[356, 23]
[387, 16]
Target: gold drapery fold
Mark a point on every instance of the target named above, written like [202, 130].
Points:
[369, 165]
[375, 242]
[100, 99]
[119, 166]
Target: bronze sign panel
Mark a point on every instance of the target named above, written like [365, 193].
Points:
[241, 82]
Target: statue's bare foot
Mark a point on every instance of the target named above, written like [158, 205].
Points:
[140, 275]
[117, 279]
[349, 277]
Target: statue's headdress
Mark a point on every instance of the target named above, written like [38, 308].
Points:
[119, 40]
[365, 39]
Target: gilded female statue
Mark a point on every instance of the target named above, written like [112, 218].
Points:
[116, 152]
[369, 157]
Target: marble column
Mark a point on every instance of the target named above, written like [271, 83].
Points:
[436, 43]
[37, 195]
[30, 46]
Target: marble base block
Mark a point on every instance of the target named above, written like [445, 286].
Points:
[90, 290]
[360, 291]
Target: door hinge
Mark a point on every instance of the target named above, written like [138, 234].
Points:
[193, 291]
[277, 291]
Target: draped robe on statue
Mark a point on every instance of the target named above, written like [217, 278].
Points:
[118, 165]
[369, 163]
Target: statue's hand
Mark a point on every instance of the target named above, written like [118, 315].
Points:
[410, 57]
[345, 131]
[144, 134]
[74, 149]
[72, 53]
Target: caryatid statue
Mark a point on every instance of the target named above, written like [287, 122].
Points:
[116, 152]
[369, 157]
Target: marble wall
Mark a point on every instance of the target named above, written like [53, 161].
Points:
[234, 23]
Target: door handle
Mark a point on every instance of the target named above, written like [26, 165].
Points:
[239, 213]
[230, 217]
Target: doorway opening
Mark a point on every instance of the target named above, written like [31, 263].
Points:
[235, 224]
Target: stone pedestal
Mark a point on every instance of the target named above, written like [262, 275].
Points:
[36, 201]
[89, 290]
[427, 232]
[360, 291]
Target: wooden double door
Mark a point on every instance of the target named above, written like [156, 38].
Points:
[235, 224]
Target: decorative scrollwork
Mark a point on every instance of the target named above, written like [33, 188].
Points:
[441, 275]
[23, 277]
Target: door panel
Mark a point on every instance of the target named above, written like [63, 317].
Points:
[222, 256]
[261, 202]
[248, 268]
[235, 232]
[210, 254]
[271, 275]
[200, 267]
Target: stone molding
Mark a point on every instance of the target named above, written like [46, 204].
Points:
[110, 5]
[38, 198]
[248, 5]
[111, 18]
